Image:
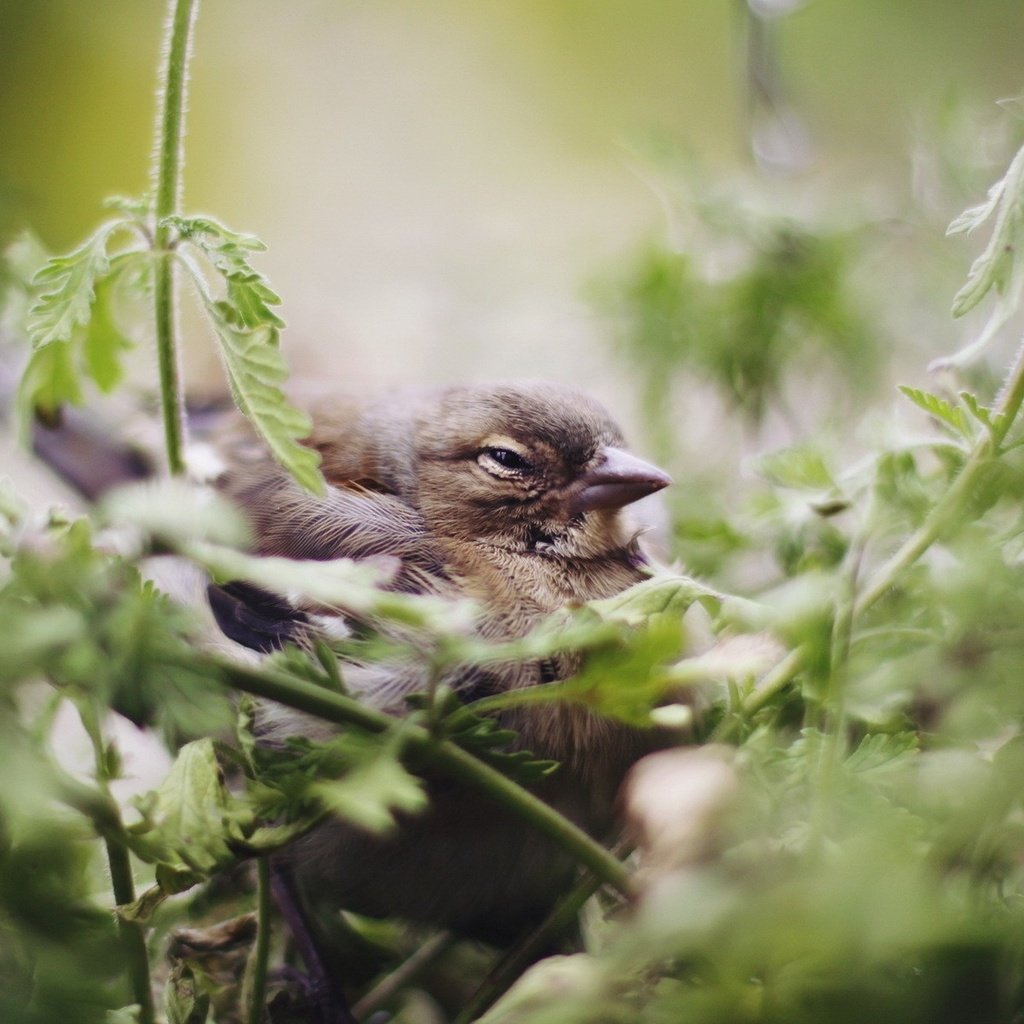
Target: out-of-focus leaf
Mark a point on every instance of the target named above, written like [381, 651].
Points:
[191, 824]
[372, 793]
[663, 594]
[882, 752]
[800, 467]
[175, 511]
[354, 776]
[999, 267]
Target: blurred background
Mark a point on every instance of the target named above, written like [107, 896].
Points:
[687, 207]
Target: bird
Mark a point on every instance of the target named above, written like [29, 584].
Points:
[514, 495]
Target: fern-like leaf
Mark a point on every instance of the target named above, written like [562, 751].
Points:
[248, 330]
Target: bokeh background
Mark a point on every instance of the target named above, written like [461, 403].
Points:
[451, 189]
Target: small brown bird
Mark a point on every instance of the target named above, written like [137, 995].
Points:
[512, 495]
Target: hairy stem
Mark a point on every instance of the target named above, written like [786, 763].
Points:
[455, 762]
[167, 178]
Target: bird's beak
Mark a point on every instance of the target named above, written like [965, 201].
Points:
[617, 480]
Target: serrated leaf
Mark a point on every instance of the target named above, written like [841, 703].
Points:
[994, 267]
[974, 216]
[372, 792]
[980, 412]
[482, 736]
[256, 370]
[950, 415]
[882, 752]
[71, 283]
[69, 288]
[91, 345]
[248, 292]
[248, 331]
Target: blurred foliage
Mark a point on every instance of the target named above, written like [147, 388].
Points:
[843, 839]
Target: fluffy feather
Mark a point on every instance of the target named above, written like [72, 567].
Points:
[482, 492]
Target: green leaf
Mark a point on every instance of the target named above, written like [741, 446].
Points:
[974, 216]
[256, 371]
[49, 381]
[71, 283]
[190, 824]
[950, 415]
[104, 343]
[184, 1000]
[124, 1015]
[249, 334]
[481, 735]
[662, 594]
[374, 789]
[74, 328]
[800, 467]
[882, 752]
[174, 511]
[999, 266]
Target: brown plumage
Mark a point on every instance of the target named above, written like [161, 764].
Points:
[512, 495]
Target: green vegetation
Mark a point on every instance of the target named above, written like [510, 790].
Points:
[847, 844]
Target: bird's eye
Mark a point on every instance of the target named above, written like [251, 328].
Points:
[506, 458]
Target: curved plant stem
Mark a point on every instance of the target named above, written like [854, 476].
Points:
[455, 762]
[255, 989]
[945, 512]
[167, 176]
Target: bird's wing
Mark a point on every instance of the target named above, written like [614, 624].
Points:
[359, 521]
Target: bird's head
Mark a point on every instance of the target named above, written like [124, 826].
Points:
[529, 467]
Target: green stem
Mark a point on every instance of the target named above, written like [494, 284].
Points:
[133, 938]
[101, 808]
[255, 989]
[455, 762]
[167, 175]
[510, 967]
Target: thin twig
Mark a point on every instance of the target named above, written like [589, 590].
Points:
[406, 972]
[450, 758]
